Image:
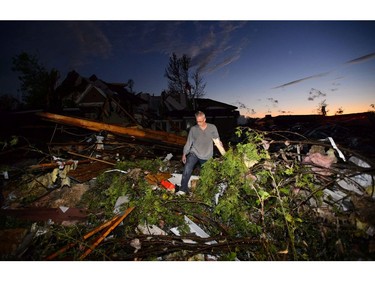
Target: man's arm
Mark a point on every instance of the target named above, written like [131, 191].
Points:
[188, 144]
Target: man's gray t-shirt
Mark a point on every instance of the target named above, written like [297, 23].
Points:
[200, 141]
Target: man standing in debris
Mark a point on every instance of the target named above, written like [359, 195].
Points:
[198, 148]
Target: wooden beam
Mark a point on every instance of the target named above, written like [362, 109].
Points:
[91, 158]
[105, 234]
[143, 134]
[54, 165]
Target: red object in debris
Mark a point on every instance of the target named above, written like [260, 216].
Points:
[167, 184]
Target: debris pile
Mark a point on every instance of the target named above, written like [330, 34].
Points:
[111, 196]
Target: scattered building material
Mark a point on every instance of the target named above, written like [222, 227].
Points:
[240, 208]
[42, 166]
[91, 158]
[85, 237]
[105, 234]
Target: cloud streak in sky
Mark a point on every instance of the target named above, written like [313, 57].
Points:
[362, 59]
[219, 51]
[356, 60]
[91, 38]
[301, 80]
[210, 50]
[314, 93]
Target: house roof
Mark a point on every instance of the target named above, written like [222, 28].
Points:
[82, 87]
[209, 107]
[208, 104]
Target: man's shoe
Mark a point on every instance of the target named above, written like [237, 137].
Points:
[180, 193]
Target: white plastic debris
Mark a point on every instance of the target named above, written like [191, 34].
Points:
[150, 229]
[136, 243]
[38, 230]
[359, 182]
[168, 157]
[5, 174]
[194, 228]
[222, 187]
[335, 147]
[99, 142]
[63, 209]
[116, 170]
[176, 179]
[335, 196]
[120, 201]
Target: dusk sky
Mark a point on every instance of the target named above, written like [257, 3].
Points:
[261, 66]
[272, 57]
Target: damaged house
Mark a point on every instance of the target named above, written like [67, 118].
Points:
[98, 100]
[113, 103]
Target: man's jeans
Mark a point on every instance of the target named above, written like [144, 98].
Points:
[191, 161]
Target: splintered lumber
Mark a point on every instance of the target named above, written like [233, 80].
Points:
[92, 158]
[54, 165]
[88, 235]
[143, 134]
[105, 234]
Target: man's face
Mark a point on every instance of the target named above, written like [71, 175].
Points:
[201, 121]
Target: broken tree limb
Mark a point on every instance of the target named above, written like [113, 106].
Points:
[105, 234]
[143, 134]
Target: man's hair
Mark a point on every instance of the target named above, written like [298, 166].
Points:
[200, 113]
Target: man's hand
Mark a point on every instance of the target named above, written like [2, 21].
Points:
[219, 145]
[183, 158]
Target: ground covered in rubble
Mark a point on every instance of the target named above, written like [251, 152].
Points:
[274, 195]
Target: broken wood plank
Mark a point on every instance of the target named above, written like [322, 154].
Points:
[105, 234]
[88, 235]
[54, 165]
[143, 134]
[85, 172]
[91, 158]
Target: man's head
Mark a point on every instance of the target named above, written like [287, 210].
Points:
[200, 117]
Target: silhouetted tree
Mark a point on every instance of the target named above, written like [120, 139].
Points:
[177, 73]
[322, 108]
[179, 77]
[339, 111]
[198, 85]
[37, 83]
[197, 90]
[130, 85]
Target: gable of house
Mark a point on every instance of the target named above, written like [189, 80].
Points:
[91, 97]
[97, 99]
